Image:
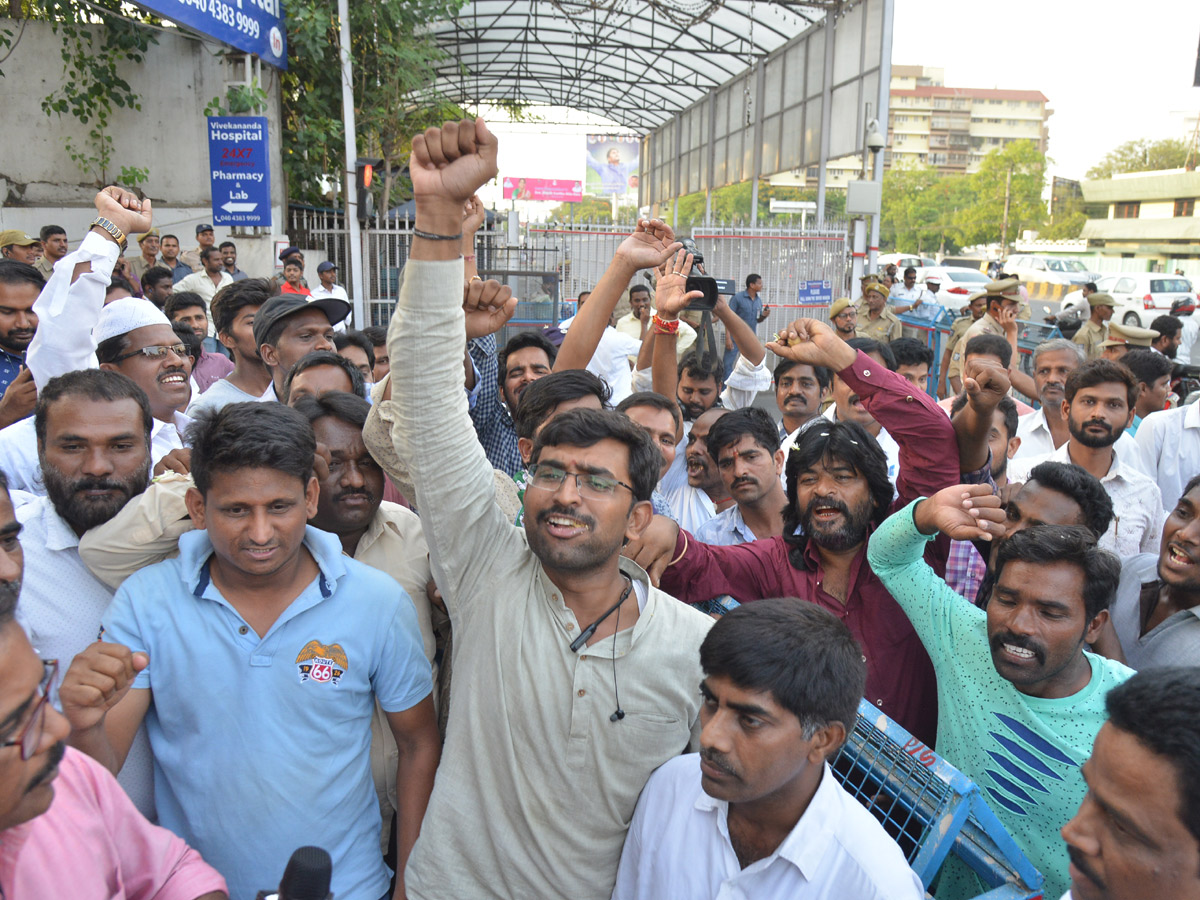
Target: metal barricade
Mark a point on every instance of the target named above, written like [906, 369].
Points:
[930, 808]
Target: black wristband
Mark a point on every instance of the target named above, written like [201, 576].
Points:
[430, 236]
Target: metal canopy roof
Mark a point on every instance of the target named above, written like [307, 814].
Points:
[637, 63]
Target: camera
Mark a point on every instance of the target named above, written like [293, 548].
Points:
[710, 287]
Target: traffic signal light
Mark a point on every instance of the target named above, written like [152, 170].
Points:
[364, 169]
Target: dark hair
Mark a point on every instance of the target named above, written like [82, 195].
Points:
[250, 435]
[233, 298]
[352, 338]
[522, 341]
[1091, 286]
[293, 261]
[847, 442]
[225, 244]
[348, 408]
[1007, 407]
[209, 251]
[734, 425]
[1192, 482]
[18, 273]
[109, 349]
[587, 427]
[1161, 708]
[910, 352]
[656, 400]
[1166, 326]
[173, 237]
[189, 339]
[1075, 544]
[541, 397]
[154, 275]
[102, 385]
[638, 289]
[49, 231]
[1101, 371]
[1146, 365]
[703, 367]
[116, 282]
[325, 358]
[750, 279]
[183, 300]
[823, 375]
[989, 345]
[870, 345]
[1081, 486]
[906, 271]
[800, 653]
[377, 335]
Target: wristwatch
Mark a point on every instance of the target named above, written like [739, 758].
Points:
[117, 234]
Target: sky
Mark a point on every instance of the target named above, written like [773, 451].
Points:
[1111, 71]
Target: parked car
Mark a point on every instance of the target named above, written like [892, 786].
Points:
[1049, 269]
[1141, 296]
[903, 260]
[957, 284]
[966, 262]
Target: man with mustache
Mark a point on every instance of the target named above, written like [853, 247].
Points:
[799, 390]
[758, 812]
[744, 445]
[65, 823]
[502, 379]
[1020, 698]
[844, 316]
[703, 493]
[1137, 834]
[93, 433]
[838, 492]
[1098, 405]
[20, 285]
[1045, 429]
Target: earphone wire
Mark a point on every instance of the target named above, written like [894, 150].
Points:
[620, 713]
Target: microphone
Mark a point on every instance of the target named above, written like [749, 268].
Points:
[306, 877]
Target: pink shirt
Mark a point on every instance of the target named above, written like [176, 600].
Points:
[93, 843]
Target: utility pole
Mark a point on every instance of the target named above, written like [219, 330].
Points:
[354, 241]
[1004, 227]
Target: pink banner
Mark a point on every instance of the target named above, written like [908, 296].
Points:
[562, 190]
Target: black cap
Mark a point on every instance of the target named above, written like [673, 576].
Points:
[288, 251]
[283, 305]
[200, 229]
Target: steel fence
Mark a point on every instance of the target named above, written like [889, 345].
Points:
[553, 263]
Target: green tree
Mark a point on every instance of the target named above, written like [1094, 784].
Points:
[1142, 155]
[393, 54]
[906, 223]
[590, 209]
[1018, 170]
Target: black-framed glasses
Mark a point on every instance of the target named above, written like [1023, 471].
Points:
[157, 351]
[30, 737]
[597, 487]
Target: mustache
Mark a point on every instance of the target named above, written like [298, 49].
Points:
[1098, 423]
[545, 514]
[718, 760]
[738, 482]
[1078, 861]
[349, 492]
[9, 592]
[1007, 637]
[829, 502]
[54, 757]
[98, 484]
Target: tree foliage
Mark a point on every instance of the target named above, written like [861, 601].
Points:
[393, 56]
[924, 211]
[1142, 155]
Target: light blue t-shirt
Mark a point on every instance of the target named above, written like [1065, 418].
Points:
[263, 746]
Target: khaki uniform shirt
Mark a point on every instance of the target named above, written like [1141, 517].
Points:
[46, 267]
[191, 259]
[138, 265]
[983, 325]
[886, 328]
[1090, 336]
[961, 324]
[537, 786]
[147, 531]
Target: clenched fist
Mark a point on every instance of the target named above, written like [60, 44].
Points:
[96, 681]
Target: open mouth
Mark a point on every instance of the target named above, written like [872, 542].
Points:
[260, 553]
[564, 526]
[173, 379]
[1177, 557]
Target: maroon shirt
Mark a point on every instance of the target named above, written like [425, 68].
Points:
[900, 679]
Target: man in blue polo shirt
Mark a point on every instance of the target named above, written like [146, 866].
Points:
[255, 658]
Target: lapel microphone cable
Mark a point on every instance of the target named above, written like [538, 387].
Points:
[576, 644]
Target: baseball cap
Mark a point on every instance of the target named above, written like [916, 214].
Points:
[200, 229]
[281, 306]
[288, 251]
[326, 266]
[1101, 299]
[15, 237]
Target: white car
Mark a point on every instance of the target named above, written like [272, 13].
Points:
[1048, 269]
[903, 261]
[957, 284]
[1141, 296]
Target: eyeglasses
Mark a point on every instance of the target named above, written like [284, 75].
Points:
[30, 737]
[596, 487]
[157, 351]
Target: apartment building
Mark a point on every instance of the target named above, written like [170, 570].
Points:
[949, 128]
[1146, 215]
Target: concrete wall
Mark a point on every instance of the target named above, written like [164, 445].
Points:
[39, 184]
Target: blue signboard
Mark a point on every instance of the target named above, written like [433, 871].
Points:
[255, 26]
[816, 293]
[239, 170]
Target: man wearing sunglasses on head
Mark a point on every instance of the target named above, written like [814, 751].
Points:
[66, 826]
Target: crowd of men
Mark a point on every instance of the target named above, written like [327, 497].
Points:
[572, 614]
